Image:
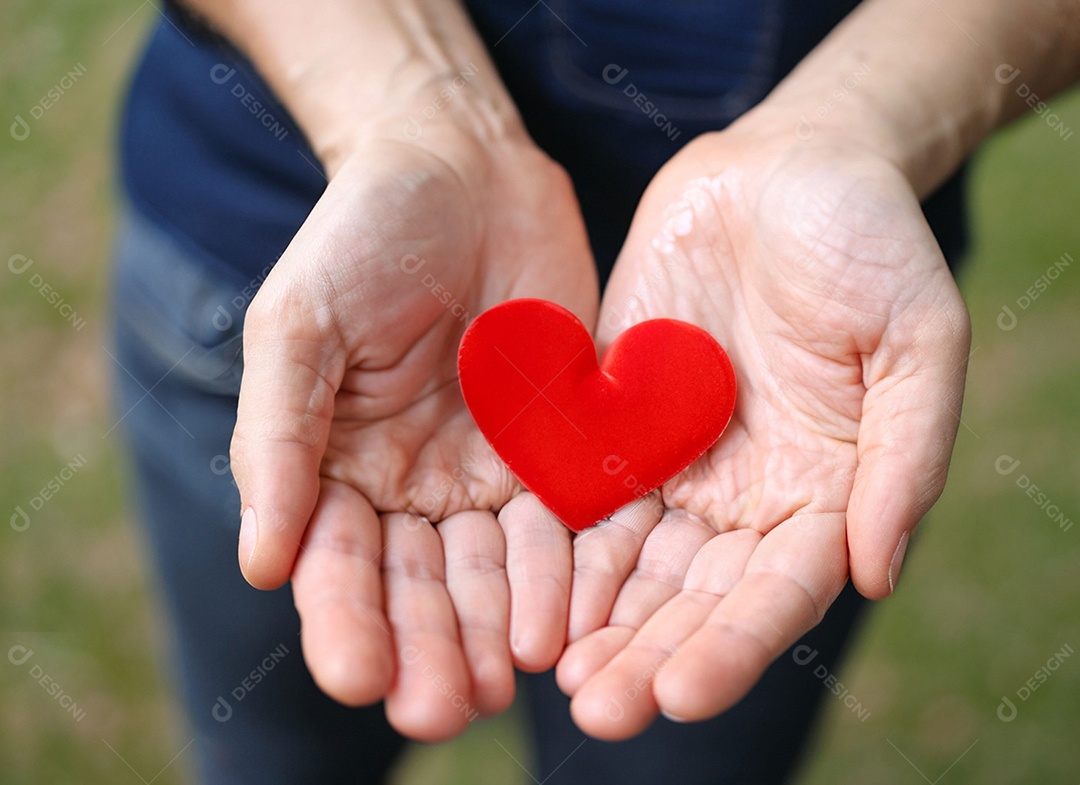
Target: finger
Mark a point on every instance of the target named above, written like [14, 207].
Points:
[795, 573]
[661, 568]
[475, 553]
[617, 701]
[604, 555]
[589, 654]
[337, 588]
[641, 285]
[538, 567]
[291, 374]
[915, 389]
[431, 698]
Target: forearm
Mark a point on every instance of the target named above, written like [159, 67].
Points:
[923, 83]
[347, 69]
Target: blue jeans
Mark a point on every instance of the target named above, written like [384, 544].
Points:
[256, 714]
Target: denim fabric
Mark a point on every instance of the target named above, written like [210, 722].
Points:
[256, 714]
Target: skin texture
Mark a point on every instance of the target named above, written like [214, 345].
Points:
[801, 248]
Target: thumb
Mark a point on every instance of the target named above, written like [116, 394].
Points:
[911, 412]
[293, 367]
[644, 276]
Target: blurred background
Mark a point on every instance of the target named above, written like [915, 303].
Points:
[970, 674]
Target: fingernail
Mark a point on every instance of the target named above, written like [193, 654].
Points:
[897, 561]
[249, 535]
[672, 717]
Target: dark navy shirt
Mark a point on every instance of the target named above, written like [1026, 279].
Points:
[610, 88]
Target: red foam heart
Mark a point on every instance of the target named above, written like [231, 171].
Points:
[587, 439]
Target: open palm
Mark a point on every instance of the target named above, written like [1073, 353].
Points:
[814, 267]
[352, 435]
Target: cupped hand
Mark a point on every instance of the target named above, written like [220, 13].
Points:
[352, 437]
[811, 262]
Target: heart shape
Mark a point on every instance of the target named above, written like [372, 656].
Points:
[589, 438]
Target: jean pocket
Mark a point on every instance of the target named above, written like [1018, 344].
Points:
[185, 313]
[691, 60]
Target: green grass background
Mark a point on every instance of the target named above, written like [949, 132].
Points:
[989, 594]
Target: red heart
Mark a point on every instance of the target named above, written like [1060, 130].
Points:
[587, 439]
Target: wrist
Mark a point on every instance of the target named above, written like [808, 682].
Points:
[881, 83]
[839, 117]
[431, 107]
[351, 70]
[809, 122]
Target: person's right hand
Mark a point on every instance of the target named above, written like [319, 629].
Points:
[351, 433]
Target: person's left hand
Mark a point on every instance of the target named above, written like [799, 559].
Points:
[812, 264]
